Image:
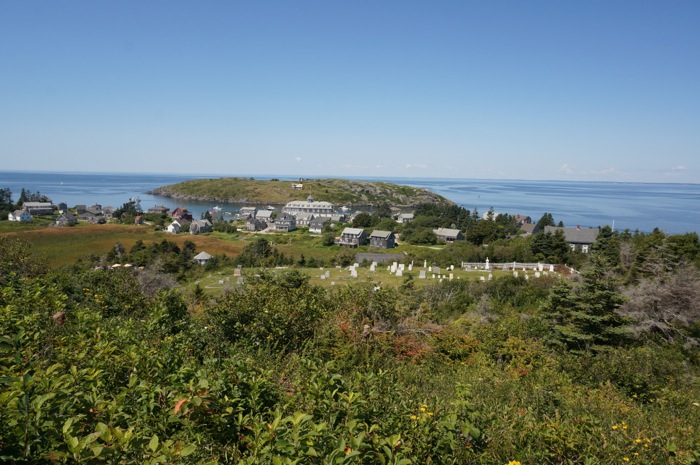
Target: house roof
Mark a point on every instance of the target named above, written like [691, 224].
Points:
[447, 232]
[201, 223]
[353, 231]
[408, 216]
[266, 214]
[576, 235]
[528, 228]
[202, 256]
[37, 205]
[309, 203]
[381, 234]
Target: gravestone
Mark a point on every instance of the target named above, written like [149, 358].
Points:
[399, 272]
[422, 274]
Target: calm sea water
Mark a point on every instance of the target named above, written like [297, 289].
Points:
[674, 208]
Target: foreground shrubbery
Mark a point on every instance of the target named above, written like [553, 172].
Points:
[278, 371]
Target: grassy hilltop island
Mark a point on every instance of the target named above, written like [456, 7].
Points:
[274, 192]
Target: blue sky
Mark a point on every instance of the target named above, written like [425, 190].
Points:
[589, 90]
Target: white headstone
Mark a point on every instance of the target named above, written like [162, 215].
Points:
[328, 274]
[539, 266]
[490, 276]
[436, 269]
[422, 274]
[399, 272]
[323, 276]
[371, 267]
[487, 267]
[430, 269]
[551, 268]
[425, 263]
[481, 278]
[353, 273]
[515, 274]
[410, 267]
[537, 274]
[452, 276]
[452, 267]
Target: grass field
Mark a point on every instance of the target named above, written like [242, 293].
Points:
[217, 282]
[63, 246]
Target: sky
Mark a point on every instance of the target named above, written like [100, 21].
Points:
[553, 90]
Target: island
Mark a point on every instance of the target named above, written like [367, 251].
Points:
[340, 192]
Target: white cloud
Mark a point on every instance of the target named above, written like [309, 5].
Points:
[679, 168]
[297, 159]
[566, 168]
[416, 166]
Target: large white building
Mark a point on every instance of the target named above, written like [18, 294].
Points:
[309, 206]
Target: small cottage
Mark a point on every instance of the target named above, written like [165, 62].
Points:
[200, 226]
[202, 258]
[382, 239]
[448, 235]
[352, 237]
[23, 216]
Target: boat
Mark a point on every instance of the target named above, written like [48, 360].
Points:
[217, 208]
[270, 207]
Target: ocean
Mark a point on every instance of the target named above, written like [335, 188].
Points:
[673, 208]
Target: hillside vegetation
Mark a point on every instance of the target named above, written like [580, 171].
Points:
[336, 191]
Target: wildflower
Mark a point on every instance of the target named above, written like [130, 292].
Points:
[637, 440]
[413, 417]
[615, 426]
[514, 462]
[625, 459]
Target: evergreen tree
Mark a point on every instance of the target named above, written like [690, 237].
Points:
[585, 317]
[546, 220]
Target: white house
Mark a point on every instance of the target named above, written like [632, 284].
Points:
[177, 226]
[202, 258]
[22, 216]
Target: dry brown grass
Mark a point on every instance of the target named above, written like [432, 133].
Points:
[63, 246]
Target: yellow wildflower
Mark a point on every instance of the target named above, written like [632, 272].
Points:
[514, 462]
[625, 459]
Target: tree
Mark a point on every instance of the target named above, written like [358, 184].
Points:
[546, 220]
[383, 210]
[585, 317]
[363, 220]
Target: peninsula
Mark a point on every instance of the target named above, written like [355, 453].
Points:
[275, 192]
